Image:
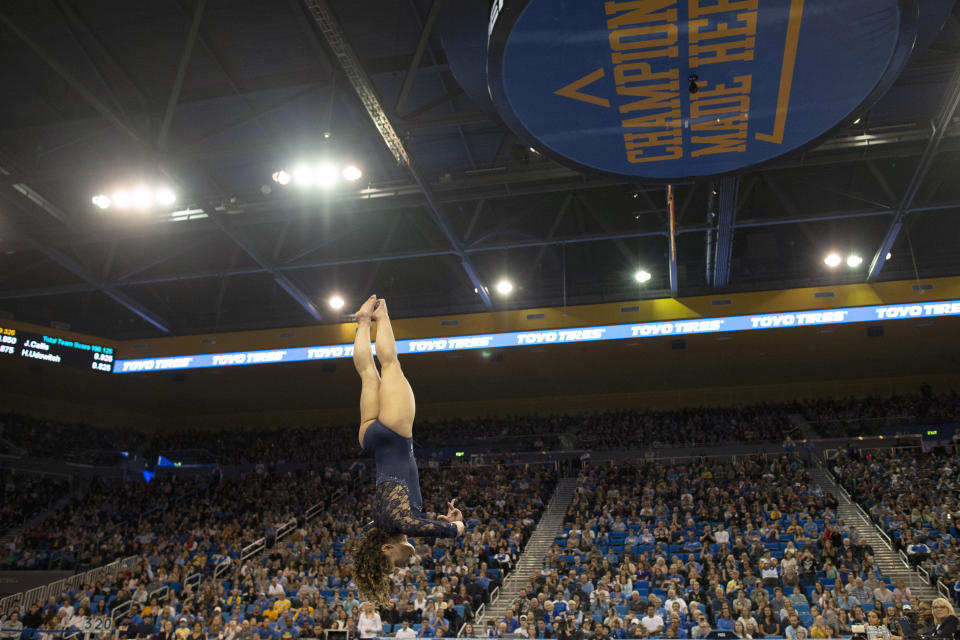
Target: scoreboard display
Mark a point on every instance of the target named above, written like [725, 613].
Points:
[15, 343]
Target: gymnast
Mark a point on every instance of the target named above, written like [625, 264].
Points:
[387, 407]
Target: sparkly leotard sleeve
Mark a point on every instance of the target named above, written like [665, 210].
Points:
[397, 504]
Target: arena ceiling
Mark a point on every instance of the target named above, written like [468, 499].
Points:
[212, 97]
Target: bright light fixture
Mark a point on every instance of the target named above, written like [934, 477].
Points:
[889, 255]
[642, 276]
[352, 173]
[282, 177]
[854, 260]
[336, 302]
[504, 287]
[833, 260]
[303, 175]
[327, 175]
[142, 198]
[122, 200]
[101, 201]
[165, 196]
[857, 121]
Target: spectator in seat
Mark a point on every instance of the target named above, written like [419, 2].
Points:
[944, 617]
[369, 623]
[724, 621]
[31, 620]
[917, 551]
[769, 623]
[674, 628]
[739, 630]
[12, 626]
[819, 629]
[858, 590]
[166, 632]
[702, 628]
[876, 630]
[793, 625]
[883, 593]
[652, 623]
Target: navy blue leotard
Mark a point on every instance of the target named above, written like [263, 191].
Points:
[397, 503]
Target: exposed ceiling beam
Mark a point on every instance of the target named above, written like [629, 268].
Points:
[77, 29]
[112, 116]
[567, 201]
[726, 222]
[412, 255]
[93, 282]
[282, 280]
[185, 56]
[335, 37]
[422, 43]
[940, 126]
[604, 223]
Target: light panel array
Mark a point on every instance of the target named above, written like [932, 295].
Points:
[323, 174]
[140, 197]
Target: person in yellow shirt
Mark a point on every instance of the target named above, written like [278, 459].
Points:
[152, 609]
[282, 604]
[819, 629]
[183, 630]
[271, 614]
[306, 611]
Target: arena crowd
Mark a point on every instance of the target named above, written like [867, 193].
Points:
[912, 496]
[665, 550]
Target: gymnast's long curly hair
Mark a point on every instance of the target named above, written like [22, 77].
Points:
[372, 567]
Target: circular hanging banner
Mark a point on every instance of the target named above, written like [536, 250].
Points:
[672, 89]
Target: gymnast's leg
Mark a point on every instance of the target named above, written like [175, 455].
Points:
[363, 361]
[397, 404]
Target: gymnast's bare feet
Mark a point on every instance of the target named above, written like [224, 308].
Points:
[366, 310]
[380, 311]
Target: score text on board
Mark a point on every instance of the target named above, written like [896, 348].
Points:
[668, 89]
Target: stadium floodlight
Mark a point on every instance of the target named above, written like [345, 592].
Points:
[101, 201]
[352, 173]
[504, 287]
[327, 175]
[889, 255]
[122, 199]
[303, 175]
[642, 276]
[833, 260]
[281, 177]
[165, 196]
[336, 302]
[854, 261]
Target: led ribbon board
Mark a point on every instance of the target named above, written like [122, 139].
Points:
[882, 313]
[609, 85]
[15, 343]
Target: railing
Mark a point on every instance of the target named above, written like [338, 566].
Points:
[944, 590]
[282, 531]
[18, 601]
[863, 514]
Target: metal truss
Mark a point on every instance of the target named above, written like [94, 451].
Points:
[940, 126]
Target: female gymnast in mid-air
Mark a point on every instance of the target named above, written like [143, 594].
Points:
[387, 407]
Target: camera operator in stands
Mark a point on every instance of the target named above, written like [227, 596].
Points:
[945, 620]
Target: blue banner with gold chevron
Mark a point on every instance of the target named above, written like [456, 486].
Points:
[670, 89]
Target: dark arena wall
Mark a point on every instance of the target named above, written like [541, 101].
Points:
[651, 372]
